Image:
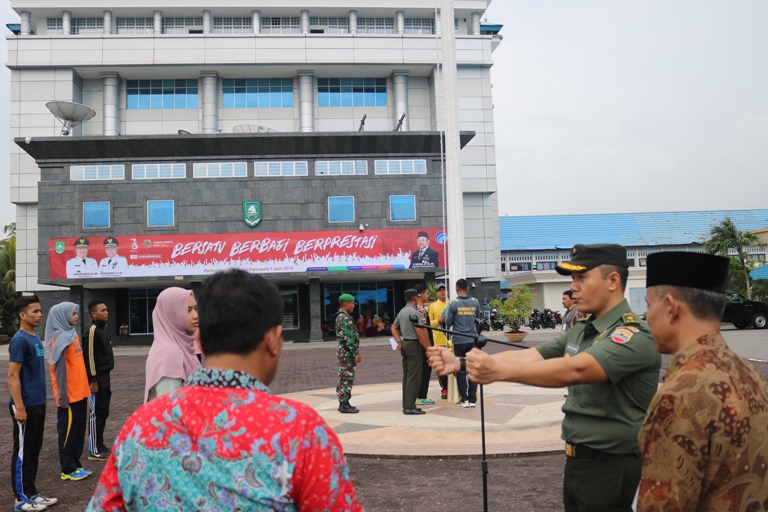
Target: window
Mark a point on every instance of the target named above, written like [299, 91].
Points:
[329, 25]
[160, 214]
[401, 166]
[402, 208]
[503, 267]
[290, 295]
[335, 168]
[87, 26]
[232, 26]
[376, 25]
[758, 257]
[630, 262]
[221, 170]
[96, 215]
[96, 172]
[258, 92]
[182, 25]
[341, 209]
[135, 25]
[141, 304]
[419, 25]
[280, 26]
[54, 26]
[290, 168]
[374, 298]
[351, 92]
[643, 262]
[546, 265]
[158, 171]
[157, 94]
[518, 267]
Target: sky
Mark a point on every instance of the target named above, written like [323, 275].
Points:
[609, 107]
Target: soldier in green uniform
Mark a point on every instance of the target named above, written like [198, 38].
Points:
[348, 352]
[611, 367]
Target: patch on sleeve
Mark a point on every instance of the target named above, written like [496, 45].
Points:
[622, 335]
[630, 318]
[633, 329]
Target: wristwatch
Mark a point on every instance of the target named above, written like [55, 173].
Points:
[462, 364]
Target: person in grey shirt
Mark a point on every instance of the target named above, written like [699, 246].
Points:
[410, 341]
[460, 318]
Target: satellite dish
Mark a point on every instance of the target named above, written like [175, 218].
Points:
[70, 114]
[184, 132]
[252, 128]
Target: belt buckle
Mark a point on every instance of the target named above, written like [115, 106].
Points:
[570, 450]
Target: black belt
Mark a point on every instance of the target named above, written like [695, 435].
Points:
[579, 451]
[408, 339]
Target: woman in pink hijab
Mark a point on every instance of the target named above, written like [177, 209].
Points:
[172, 356]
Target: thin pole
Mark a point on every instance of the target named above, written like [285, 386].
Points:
[485, 460]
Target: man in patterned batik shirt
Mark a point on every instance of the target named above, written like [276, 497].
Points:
[223, 441]
[348, 352]
[705, 437]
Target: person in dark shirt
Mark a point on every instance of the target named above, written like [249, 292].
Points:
[99, 361]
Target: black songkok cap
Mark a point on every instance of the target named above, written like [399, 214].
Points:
[689, 270]
[587, 257]
[422, 234]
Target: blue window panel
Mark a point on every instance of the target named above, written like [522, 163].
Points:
[192, 100]
[133, 100]
[144, 99]
[144, 83]
[252, 98]
[96, 215]
[346, 98]
[288, 82]
[160, 214]
[252, 82]
[229, 98]
[335, 99]
[132, 84]
[323, 99]
[341, 209]
[240, 98]
[168, 98]
[381, 82]
[288, 97]
[156, 101]
[180, 100]
[402, 208]
[381, 98]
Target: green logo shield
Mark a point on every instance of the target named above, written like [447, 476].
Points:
[252, 212]
[59, 247]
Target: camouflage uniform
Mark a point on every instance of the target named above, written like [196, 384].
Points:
[349, 347]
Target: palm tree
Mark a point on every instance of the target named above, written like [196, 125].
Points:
[725, 236]
[8, 266]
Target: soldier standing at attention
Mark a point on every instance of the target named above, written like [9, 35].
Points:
[611, 367]
[348, 352]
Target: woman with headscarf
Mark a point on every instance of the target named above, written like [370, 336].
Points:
[172, 356]
[70, 386]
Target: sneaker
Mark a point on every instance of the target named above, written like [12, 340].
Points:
[27, 505]
[444, 394]
[98, 456]
[39, 499]
[86, 471]
[471, 404]
[424, 401]
[463, 403]
[105, 451]
[79, 474]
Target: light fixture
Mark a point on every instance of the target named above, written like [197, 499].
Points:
[361, 228]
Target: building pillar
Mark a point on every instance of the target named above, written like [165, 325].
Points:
[108, 28]
[26, 23]
[111, 120]
[158, 23]
[316, 312]
[353, 22]
[307, 100]
[304, 21]
[400, 22]
[256, 21]
[438, 23]
[210, 103]
[475, 23]
[400, 89]
[207, 22]
[66, 23]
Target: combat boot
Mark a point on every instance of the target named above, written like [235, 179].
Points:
[345, 408]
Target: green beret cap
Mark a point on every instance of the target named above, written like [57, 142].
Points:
[587, 257]
[346, 298]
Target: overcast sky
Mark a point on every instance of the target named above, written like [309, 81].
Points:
[604, 106]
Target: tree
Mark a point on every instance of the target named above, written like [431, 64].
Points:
[516, 307]
[725, 236]
[8, 278]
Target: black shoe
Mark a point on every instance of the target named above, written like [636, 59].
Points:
[345, 408]
[409, 412]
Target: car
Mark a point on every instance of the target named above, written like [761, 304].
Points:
[742, 312]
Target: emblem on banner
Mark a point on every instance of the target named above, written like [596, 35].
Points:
[252, 212]
[59, 247]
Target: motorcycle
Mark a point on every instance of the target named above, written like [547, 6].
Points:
[497, 321]
[547, 319]
[535, 320]
[557, 317]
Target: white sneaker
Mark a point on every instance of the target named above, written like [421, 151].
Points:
[463, 403]
[28, 505]
[39, 499]
[471, 404]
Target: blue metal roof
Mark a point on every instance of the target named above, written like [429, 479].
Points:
[490, 28]
[543, 232]
[760, 273]
[14, 27]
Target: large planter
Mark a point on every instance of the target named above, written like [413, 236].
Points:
[515, 337]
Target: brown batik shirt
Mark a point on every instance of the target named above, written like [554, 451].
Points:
[705, 437]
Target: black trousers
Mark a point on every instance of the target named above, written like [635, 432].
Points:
[600, 485]
[467, 388]
[101, 408]
[24, 461]
[70, 424]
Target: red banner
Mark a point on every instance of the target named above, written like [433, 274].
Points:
[299, 251]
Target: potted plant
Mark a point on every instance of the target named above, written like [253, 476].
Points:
[514, 310]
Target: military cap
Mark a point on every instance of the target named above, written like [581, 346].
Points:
[587, 257]
[688, 269]
[346, 298]
[111, 241]
[82, 242]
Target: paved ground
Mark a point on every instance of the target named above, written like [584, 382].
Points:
[383, 484]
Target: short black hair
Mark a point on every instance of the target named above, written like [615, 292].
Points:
[23, 303]
[606, 270]
[94, 304]
[569, 293]
[704, 304]
[420, 288]
[236, 311]
[410, 294]
[462, 284]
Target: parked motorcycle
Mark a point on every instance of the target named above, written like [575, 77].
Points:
[535, 320]
[547, 319]
[497, 321]
[557, 317]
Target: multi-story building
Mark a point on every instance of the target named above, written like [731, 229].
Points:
[181, 166]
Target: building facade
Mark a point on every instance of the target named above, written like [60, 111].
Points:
[207, 115]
